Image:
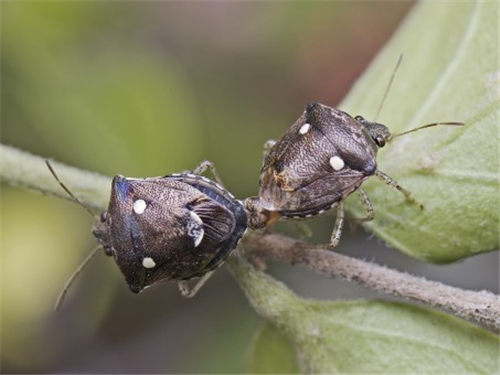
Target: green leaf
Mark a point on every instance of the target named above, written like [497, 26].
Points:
[450, 72]
[369, 336]
[272, 353]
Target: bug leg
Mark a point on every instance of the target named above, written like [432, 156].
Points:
[339, 225]
[207, 164]
[190, 293]
[394, 184]
[367, 205]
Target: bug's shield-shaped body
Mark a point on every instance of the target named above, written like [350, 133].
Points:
[169, 228]
[319, 161]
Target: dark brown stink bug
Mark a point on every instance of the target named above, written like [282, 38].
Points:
[321, 160]
[176, 227]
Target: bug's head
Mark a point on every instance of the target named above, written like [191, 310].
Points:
[100, 230]
[258, 215]
[379, 133]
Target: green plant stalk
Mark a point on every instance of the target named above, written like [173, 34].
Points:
[20, 168]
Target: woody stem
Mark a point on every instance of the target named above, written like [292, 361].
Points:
[482, 306]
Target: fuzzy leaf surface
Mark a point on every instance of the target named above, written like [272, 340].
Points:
[450, 72]
[368, 336]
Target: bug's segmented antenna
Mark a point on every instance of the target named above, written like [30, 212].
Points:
[426, 126]
[80, 268]
[67, 190]
[72, 278]
[388, 87]
[392, 136]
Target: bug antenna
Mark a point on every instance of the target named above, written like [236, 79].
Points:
[66, 189]
[72, 278]
[388, 87]
[427, 126]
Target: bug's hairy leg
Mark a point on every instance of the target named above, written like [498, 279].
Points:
[367, 205]
[191, 292]
[394, 184]
[339, 225]
[207, 164]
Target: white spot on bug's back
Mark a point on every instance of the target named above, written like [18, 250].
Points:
[195, 228]
[304, 128]
[337, 163]
[148, 263]
[139, 206]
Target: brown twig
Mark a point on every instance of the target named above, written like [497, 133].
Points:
[481, 306]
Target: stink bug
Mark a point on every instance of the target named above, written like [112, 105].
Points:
[176, 227]
[321, 160]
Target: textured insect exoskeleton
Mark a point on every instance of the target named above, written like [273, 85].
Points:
[322, 159]
[176, 227]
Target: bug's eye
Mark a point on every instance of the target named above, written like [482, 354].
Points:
[359, 118]
[380, 141]
[279, 166]
[104, 216]
[108, 251]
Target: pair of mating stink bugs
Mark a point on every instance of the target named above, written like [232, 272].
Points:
[183, 226]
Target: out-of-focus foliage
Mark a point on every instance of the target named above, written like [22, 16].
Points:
[82, 92]
[272, 353]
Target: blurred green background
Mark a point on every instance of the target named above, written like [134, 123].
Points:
[147, 89]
